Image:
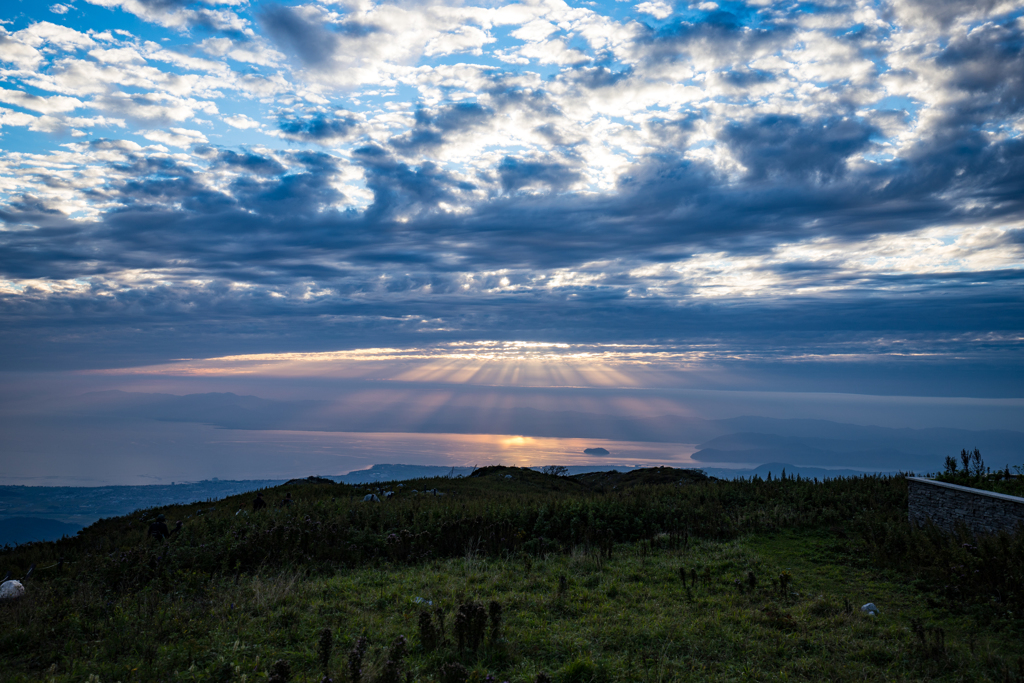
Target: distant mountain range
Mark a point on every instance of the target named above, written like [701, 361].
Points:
[382, 472]
[739, 440]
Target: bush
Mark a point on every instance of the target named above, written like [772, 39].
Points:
[580, 671]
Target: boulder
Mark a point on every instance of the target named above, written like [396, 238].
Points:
[10, 590]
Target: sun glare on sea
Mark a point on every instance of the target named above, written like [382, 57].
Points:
[516, 441]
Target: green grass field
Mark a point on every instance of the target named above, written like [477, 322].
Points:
[757, 600]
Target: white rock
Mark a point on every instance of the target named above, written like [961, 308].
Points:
[870, 609]
[10, 590]
[371, 498]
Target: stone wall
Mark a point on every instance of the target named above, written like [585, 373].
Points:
[946, 504]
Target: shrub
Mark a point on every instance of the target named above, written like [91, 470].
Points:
[355, 660]
[453, 672]
[428, 634]
[280, 672]
[494, 610]
[323, 650]
[579, 671]
[392, 672]
[470, 626]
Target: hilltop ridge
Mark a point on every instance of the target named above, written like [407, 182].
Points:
[713, 576]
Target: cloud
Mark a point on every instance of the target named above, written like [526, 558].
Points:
[178, 14]
[777, 147]
[250, 50]
[434, 128]
[461, 39]
[241, 121]
[318, 128]
[44, 105]
[658, 10]
[942, 13]
[175, 137]
[774, 183]
[251, 162]
[987, 64]
[16, 118]
[153, 108]
[400, 190]
[298, 32]
[535, 31]
[518, 174]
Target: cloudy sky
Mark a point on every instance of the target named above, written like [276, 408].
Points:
[785, 196]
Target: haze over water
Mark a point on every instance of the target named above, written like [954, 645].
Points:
[184, 454]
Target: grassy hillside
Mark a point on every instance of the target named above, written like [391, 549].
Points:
[518, 575]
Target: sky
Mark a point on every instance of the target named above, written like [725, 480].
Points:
[819, 200]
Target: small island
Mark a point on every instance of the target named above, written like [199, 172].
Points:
[596, 451]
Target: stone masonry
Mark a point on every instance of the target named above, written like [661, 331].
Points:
[946, 504]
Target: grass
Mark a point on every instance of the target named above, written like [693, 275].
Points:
[778, 603]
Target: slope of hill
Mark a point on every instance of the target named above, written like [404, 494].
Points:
[522, 576]
[613, 480]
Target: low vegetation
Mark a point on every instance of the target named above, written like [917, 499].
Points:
[970, 470]
[515, 575]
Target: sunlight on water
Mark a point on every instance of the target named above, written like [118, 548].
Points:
[359, 450]
[154, 452]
